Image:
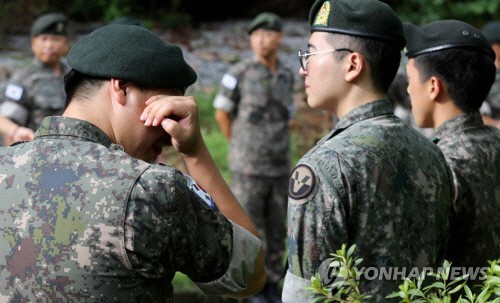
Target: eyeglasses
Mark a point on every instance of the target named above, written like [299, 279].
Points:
[304, 55]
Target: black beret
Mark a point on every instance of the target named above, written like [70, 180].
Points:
[266, 20]
[442, 35]
[55, 24]
[492, 31]
[131, 53]
[363, 18]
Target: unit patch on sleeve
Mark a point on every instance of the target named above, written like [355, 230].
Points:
[302, 181]
[203, 195]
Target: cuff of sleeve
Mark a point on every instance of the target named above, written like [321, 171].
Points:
[223, 103]
[294, 289]
[246, 248]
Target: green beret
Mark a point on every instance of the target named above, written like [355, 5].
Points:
[442, 35]
[266, 20]
[131, 53]
[54, 24]
[492, 31]
[362, 18]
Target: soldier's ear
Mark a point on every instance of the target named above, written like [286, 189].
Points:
[118, 91]
[355, 65]
[436, 89]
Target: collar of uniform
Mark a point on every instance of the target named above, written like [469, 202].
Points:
[279, 65]
[366, 111]
[369, 110]
[64, 66]
[459, 123]
[71, 127]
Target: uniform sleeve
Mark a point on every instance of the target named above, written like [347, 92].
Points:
[317, 217]
[229, 95]
[173, 225]
[15, 103]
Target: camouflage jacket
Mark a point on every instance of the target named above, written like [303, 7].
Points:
[33, 93]
[82, 221]
[493, 98]
[375, 182]
[261, 103]
[472, 150]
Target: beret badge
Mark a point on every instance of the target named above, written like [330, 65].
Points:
[323, 15]
[60, 27]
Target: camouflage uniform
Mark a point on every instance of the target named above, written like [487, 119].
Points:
[375, 182]
[34, 93]
[472, 150]
[82, 221]
[259, 160]
[493, 98]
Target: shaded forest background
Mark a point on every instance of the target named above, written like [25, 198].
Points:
[17, 15]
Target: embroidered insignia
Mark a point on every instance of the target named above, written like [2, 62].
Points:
[14, 92]
[302, 182]
[203, 195]
[60, 27]
[229, 81]
[323, 15]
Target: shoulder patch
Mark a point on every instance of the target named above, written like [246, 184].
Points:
[14, 92]
[229, 81]
[302, 181]
[203, 195]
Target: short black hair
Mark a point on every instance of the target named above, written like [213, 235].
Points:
[383, 58]
[467, 74]
[80, 86]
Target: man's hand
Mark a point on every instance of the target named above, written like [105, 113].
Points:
[20, 133]
[178, 115]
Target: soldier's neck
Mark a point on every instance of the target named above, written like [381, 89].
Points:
[55, 67]
[270, 62]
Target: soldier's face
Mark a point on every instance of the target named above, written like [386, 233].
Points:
[139, 141]
[323, 78]
[421, 104]
[496, 49]
[265, 42]
[49, 48]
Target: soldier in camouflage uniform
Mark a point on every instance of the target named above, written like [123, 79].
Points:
[36, 91]
[448, 99]
[373, 181]
[84, 215]
[492, 32]
[253, 107]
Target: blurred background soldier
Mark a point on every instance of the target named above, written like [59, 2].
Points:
[491, 108]
[37, 91]
[253, 107]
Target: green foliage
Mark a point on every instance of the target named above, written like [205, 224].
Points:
[476, 12]
[216, 142]
[443, 290]
[345, 288]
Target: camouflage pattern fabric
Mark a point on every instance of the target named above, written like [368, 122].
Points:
[33, 93]
[493, 98]
[82, 221]
[375, 182]
[261, 103]
[265, 200]
[472, 150]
